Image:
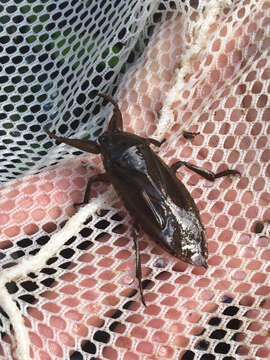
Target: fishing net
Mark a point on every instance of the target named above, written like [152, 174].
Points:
[67, 284]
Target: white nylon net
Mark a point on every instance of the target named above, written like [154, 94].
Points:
[67, 282]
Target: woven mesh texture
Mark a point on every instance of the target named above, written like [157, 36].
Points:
[67, 281]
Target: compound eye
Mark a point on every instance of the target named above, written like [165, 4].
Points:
[103, 139]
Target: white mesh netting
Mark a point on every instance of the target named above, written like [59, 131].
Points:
[67, 283]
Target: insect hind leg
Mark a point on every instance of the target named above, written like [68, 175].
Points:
[99, 177]
[138, 260]
[207, 174]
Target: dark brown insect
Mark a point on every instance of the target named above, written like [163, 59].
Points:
[158, 201]
[190, 135]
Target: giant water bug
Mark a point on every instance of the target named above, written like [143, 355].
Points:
[157, 200]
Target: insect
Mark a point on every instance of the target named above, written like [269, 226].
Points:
[157, 200]
[260, 226]
[190, 135]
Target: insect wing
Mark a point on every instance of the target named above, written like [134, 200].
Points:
[160, 203]
[132, 177]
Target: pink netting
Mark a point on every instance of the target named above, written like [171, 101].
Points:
[83, 302]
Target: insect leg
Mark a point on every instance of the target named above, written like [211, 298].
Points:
[155, 142]
[99, 177]
[207, 174]
[116, 121]
[85, 145]
[138, 260]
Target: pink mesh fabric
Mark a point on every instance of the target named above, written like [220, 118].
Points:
[82, 304]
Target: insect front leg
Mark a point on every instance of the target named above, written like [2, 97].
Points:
[207, 174]
[85, 145]
[138, 260]
[116, 121]
[99, 177]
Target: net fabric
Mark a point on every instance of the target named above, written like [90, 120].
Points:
[53, 56]
[205, 69]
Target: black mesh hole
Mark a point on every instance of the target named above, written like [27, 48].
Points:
[188, 355]
[84, 245]
[208, 357]
[234, 324]
[222, 348]
[30, 299]
[12, 287]
[231, 311]
[202, 345]
[102, 336]
[29, 285]
[89, 347]
[215, 321]
[86, 232]
[218, 334]
[103, 224]
[47, 282]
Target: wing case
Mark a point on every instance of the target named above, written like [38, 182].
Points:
[158, 201]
